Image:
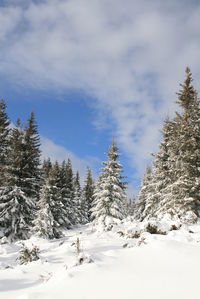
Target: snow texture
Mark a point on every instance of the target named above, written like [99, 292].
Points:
[111, 264]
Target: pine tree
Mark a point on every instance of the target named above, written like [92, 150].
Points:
[58, 209]
[69, 197]
[185, 191]
[175, 179]
[78, 200]
[15, 213]
[16, 209]
[32, 157]
[52, 216]
[158, 191]
[87, 194]
[66, 202]
[144, 194]
[16, 156]
[46, 168]
[109, 197]
[131, 206]
[4, 143]
[45, 225]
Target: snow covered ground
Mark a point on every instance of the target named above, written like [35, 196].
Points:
[153, 266]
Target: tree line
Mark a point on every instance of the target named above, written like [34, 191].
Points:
[172, 185]
[46, 199]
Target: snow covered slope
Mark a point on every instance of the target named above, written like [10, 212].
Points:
[153, 266]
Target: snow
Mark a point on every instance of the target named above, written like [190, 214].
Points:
[114, 266]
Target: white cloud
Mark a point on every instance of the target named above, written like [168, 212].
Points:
[57, 152]
[127, 55]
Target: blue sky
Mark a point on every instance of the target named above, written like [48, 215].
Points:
[93, 69]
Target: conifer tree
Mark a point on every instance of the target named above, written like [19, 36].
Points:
[16, 209]
[45, 224]
[144, 194]
[158, 192]
[175, 179]
[69, 197]
[77, 200]
[66, 201]
[46, 168]
[55, 192]
[185, 191]
[109, 197]
[32, 156]
[52, 216]
[4, 143]
[87, 194]
[131, 206]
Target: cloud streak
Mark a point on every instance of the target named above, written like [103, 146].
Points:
[128, 56]
[59, 153]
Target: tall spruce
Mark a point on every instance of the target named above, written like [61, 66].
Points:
[4, 143]
[70, 192]
[66, 202]
[16, 209]
[158, 191]
[185, 192]
[46, 168]
[176, 168]
[32, 155]
[109, 197]
[52, 216]
[88, 194]
[144, 194]
[78, 200]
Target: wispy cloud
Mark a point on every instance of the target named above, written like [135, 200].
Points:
[129, 56]
[60, 153]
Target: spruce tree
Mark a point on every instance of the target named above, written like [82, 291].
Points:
[185, 191]
[144, 194]
[87, 194]
[4, 143]
[158, 191]
[45, 224]
[46, 168]
[58, 209]
[78, 200]
[32, 156]
[109, 196]
[16, 209]
[52, 216]
[69, 197]
[66, 202]
[175, 182]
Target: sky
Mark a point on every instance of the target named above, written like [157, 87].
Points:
[93, 69]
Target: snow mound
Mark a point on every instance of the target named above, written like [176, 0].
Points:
[151, 266]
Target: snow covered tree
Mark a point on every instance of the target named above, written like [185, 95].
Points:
[52, 215]
[87, 194]
[32, 158]
[58, 210]
[4, 143]
[109, 196]
[45, 225]
[78, 200]
[46, 168]
[185, 190]
[144, 194]
[16, 209]
[158, 192]
[175, 182]
[65, 198]
[15, 213]
[69, 196]
[131, 206]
